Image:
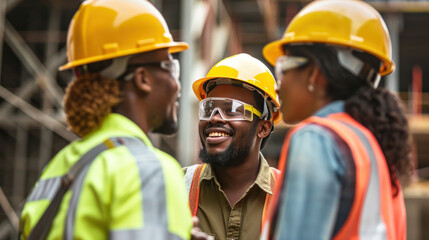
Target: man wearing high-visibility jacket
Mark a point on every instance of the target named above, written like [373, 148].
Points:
[229, 192]
[126, 86]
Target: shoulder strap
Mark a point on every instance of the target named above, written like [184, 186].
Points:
[41, 229]
[359, 154]
[276, 174]
[373, 178]
[266, 232]
[194, 192]
[189, 175]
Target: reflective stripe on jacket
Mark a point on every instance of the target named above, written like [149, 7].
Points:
[131, 191]
[375, 213]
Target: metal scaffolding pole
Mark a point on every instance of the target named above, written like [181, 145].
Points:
[185, 143]
[6, 230]
[24, 92]
[394, 23]
[11, 4]
[268, 9]
[2, 19]
[41, 117]
[19, 166]
[51, 46]
[194, 66]
[10, 213]
[29, 85]
[32, 63]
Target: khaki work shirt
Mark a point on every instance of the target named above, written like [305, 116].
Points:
[244, 219]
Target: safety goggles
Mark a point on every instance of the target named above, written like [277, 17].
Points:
[228, 108]
[172, 66]
[286, 63]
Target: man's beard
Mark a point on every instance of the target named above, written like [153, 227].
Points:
[232, 156]
[169, 126]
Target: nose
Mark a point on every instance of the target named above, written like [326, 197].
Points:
[277, 87]
[216, 116]
[179, 85]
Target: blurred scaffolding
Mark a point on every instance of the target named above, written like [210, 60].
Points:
[32, 46]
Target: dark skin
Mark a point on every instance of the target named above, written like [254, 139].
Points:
[235, 180]
[151, 84]
[297, 101]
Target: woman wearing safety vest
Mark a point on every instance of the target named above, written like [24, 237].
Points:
[342, 163]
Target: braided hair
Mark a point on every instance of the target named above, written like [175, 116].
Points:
[88, 100]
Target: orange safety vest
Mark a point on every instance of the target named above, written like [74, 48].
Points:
[372, 182]
[194, 192]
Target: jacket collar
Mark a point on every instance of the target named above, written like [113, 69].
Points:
[263, 179]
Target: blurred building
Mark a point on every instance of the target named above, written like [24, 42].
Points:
[32, 46]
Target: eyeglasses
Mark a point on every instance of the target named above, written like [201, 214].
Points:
[228, 108]
[286, 63]
[172, 66]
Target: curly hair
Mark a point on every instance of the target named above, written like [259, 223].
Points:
[380, 111]
[88, 100]
[377, 109]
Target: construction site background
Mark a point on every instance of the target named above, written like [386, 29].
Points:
[32, 46]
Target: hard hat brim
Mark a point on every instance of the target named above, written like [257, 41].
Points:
[274, 50]
[173, 47]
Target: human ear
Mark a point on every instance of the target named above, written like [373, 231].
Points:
[143, 80]
[265, 128]
[312, 80]
[319, 82]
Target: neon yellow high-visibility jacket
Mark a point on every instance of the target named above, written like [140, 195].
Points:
[125, 193]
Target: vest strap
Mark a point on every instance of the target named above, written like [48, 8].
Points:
[347, 128]
[194, 193]
[43, 226]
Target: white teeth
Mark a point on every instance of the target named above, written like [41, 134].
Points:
[218, 134]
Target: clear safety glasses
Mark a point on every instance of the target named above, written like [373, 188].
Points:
[286, 63]
[172, 66]
[228, 108]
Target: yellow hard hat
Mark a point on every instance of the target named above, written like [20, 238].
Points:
[106, 29]
[247, 69]
[349, 23]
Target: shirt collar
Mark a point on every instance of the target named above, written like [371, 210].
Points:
[333, 107]
[116, 125]
[263, 178]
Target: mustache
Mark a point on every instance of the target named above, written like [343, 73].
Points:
[211, 125]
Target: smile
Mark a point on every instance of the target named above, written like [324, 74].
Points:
[219, 134]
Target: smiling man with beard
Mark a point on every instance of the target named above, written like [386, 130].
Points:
[237, 151]
[238, 109]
